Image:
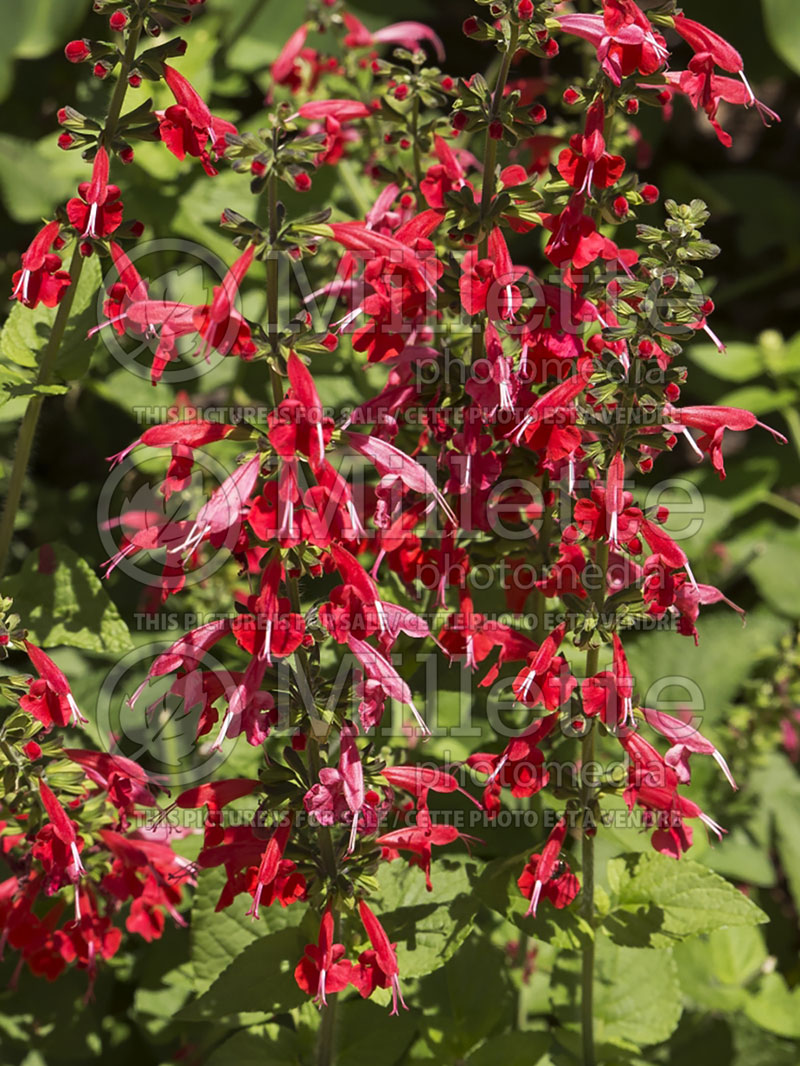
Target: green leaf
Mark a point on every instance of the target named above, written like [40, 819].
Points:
[511, 1049]
[62, 601]
[218, 937]
[27, 330]
[429, 927]
[275, 1044]
[466, 1000]
[657, 901]
[713, 970]
[637, 995]
[739, 362]
[782, 22]
[775, 1007]
[760, 399]
[365, 1036]
[774, 564]
[259, 981]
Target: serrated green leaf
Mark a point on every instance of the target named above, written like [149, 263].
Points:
[429, 927]
[260, 981]
[218, 937]
[63, 601]
[658, 901]
[714, 970]
[637, 996]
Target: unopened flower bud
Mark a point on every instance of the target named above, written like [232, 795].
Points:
[126, 155]
[302, 182]
[538, 114]
[78, 51]
[621, 207]
[118, 21]
[571, 96]
[525, 9]
[649, 193]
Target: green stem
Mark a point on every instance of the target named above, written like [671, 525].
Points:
[241, 27]
[115, 107]
[325, 1037]
[415, 142]
[272, 286]
[780, 503]
[588, 788]
[27, 431]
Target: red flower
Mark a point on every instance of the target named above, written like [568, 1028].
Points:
[490, 284]
[586, 161]
[322, 968]
[41, 278]
[623, 37]
[188, 125]
[547, 876]
[378, 968]
[546, 679]
[49, 699]
[98, 212]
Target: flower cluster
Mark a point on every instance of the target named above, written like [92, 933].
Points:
[569, 341]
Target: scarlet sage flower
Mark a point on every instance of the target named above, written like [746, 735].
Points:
[64, 830]
[686, 739]
[703, 40]
[623, 38]
[443, 177]
[712, 422]
[407, 34]
[490, 284]
[420, 840]
[586, 161]
[98, 212]
[546, 679]
[219, 324]
[49, 699]
[547, 876]
[381, 969]
[609, 693]
[187, 127]
[41, 278]
[298, 424]
[322, 968]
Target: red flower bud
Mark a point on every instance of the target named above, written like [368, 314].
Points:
[551, 49]
[302, 182]
[621, 207]
[118, 21]
[78, 51]
[649, 193]
[538, 113]
[136, 229]
[632, 106]
[571, 96]
[672, 392]
[126, 155]
[405, 143]
[525, 9]
[496, 130]
[258, 168]
[134, 80]
[447, 83]
[401, 92]
[646, 465]
[100, 70]
[61, 115]
[86, 249]
[646, 347]
[65, 140]
[460, 120]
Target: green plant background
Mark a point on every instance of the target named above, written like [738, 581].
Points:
[731, 992]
